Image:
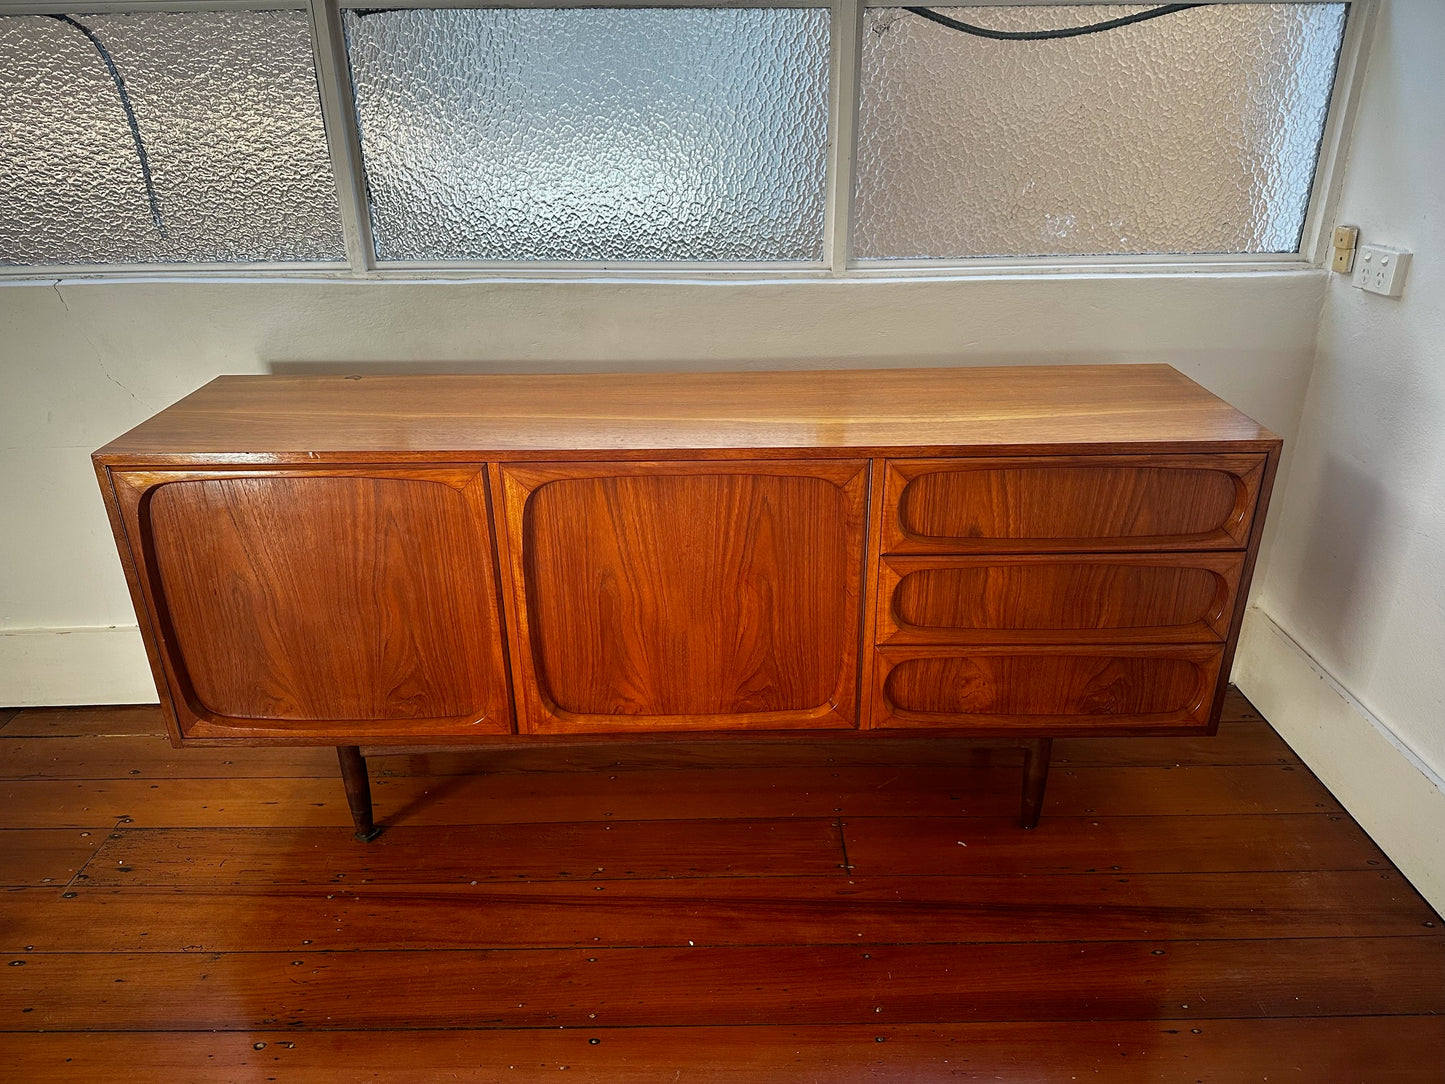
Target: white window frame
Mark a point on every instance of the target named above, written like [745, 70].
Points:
[337, 108]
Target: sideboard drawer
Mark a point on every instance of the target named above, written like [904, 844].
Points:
[1062, 503]
[1008, 690]
[1054, 599]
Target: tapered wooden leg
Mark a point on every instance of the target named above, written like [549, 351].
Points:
[358, 790]
[1036, 777]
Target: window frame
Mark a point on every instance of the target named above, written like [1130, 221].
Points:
[344, 146]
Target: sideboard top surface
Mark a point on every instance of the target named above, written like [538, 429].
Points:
[291, 419]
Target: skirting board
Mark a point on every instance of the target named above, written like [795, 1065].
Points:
[51, 667]
[1397, 799]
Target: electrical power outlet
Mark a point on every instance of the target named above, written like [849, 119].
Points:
[1380, 270]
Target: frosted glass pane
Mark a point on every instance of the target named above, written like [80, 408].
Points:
[227, 110]
[593, 134]
[1194, 132]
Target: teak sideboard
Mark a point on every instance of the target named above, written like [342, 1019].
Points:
[1014, 554]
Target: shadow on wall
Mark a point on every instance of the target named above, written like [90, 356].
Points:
[504, 366]
[652, 365]
[1345, 548]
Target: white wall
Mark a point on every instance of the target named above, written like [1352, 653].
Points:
[1353, 600]
[83, 362]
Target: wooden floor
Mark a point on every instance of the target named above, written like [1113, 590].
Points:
[1189, 910]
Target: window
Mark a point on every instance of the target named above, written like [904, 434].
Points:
[299, 134]
[1192, 133]
[144, 137]
[593, 133]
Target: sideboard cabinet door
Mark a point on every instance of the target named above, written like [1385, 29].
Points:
[686, 595]
[347, 604]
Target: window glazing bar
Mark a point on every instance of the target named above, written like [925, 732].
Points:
[248, 269]
[843, 79]
[1162, 263]
[651, 4]
[735, 274]
[606, 267]
[1071, 3]
[343, 137]
[122, 7]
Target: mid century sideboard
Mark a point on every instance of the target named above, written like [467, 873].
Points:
[1015, 554]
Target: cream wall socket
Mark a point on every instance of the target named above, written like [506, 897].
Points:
[1380, 270]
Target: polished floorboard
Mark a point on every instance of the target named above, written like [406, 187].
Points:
[1188, 910]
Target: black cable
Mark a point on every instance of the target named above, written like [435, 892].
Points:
[1047, 35]
[140, 147]
[969, 28]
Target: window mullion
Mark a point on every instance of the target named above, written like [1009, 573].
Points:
[342, 135]
[843, 124]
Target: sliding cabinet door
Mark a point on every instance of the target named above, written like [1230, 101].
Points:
[347, 605]
[686, 596]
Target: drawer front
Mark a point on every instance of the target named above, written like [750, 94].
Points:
[1063, 503]
[1073, 598]
[1012, 690]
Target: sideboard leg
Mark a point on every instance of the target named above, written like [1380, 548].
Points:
[358, 790]
[1036, 777]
